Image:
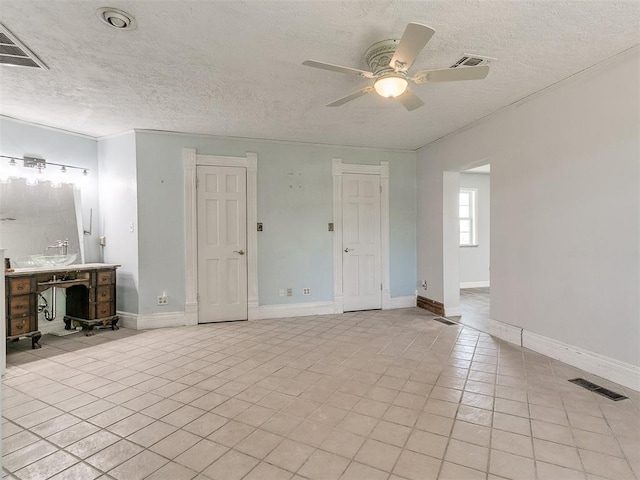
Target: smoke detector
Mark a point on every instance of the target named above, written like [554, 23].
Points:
[116, 18]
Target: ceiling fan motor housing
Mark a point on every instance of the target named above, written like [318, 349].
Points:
[379, 55]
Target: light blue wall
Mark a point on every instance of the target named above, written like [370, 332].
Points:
[119, 211]
[140, 180]
[294, 203]
[18, 139]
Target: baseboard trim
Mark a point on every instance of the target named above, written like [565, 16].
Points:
[616, 371]
[294, 310]
[403, 302]
[481, 284]
[608, 368]
[452, 311]
[386, 300]
[431, 305]
[191, 313]
[136, 321]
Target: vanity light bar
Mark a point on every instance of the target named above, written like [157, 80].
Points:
[40, 163]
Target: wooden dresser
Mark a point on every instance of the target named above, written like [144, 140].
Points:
[91, 297]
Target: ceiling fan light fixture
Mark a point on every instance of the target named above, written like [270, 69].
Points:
[391, 86]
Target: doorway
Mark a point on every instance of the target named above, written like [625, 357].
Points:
[466, 244]
[248, 262]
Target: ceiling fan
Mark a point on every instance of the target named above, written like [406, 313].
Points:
[390, 60]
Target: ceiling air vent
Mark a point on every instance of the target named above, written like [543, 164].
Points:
[13, 52]
[471, 60]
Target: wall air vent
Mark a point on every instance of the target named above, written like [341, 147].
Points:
[14, 53]
[471, 60]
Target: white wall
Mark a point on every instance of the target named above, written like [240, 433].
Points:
[474, 261]
[119, 215]
[565, 210]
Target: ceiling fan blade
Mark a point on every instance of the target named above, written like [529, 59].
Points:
[451, 74]
[410, 100]
[353, 96]
[413, 40]
[337, 68]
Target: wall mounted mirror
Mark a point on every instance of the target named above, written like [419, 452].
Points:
[33, 217]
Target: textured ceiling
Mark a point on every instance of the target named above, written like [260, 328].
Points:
[234, 67]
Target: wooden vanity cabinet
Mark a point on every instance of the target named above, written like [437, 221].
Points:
[90, 298]
[99, 302]
[22, 308]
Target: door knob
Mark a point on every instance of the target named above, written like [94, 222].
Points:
[239, 252]
[347, 250]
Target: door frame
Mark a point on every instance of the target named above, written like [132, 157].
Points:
[191, 160]
[337, 170]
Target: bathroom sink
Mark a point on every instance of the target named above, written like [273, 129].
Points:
[34, 261]
[54, 260]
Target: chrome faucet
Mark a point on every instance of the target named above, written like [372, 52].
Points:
[63, 245]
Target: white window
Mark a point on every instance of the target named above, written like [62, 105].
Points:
[468, 214]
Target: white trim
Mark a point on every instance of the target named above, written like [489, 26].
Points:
[191, 160]
[384, 234]
[47, 127]
[608, 368]
[505, 331]
[294, 310]
[452, 311]
[151, 320]
[191, 237]
[402, 302]
[338, 297]
[270, 141]
[481, 284]
[337, 170]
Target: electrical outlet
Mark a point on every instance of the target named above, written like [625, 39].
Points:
[289, 292]
[163, 299]
[306, 291]
[282, 292]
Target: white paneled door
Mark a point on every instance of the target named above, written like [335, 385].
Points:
[361, 271]
[222, 243]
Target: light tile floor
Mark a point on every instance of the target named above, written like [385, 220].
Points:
[368, 395]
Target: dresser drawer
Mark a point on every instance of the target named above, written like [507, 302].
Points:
[19, 326]
[104, 293]
[20, 286]
[105, 309]
[106, 277]
[20, 305]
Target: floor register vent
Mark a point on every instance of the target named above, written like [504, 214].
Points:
[605, 392]
[444, 320]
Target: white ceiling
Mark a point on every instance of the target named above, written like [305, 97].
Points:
[234, 68]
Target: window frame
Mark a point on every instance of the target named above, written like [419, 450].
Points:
[472, 218]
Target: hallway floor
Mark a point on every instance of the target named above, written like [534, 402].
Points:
[475, 302]
[367, 395]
